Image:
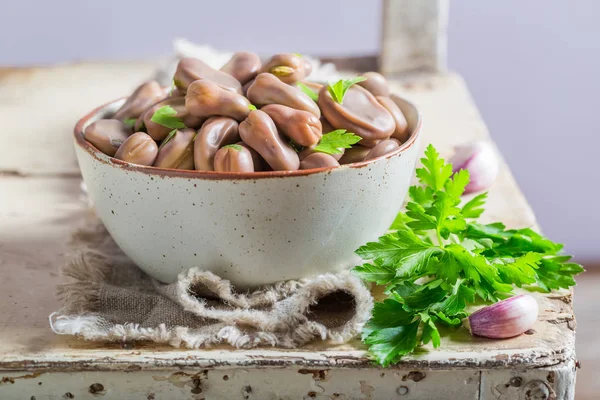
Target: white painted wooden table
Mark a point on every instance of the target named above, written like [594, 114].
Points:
[40, 206]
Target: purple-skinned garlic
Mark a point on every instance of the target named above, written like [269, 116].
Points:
[480, 159]
[505, 319]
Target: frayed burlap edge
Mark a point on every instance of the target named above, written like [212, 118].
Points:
[90, 267]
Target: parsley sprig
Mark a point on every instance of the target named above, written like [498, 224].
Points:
[338, 89]
[167, 116]
[437, 259]
[130, 122]
[308, 91]
[332, 142]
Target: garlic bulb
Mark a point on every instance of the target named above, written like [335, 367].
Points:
[479, 158]
[505, 319]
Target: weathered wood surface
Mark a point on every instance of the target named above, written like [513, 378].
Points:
[40, 205]
[41, 105]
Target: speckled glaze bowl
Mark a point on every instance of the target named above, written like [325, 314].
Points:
[252, 229]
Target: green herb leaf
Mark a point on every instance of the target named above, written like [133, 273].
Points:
[403, 250]
[457, 301]
[519, 271]
[556, 272]
[388, 345]
[236, 147]
[308, 91]
[338, 89]
[375, 273]
[474, 207]
[422, 298]
[435, 172]
[332, 142]
[430, 331]
[387, 314]
[166, 140]
[434, 263]
[400, 222]
[252, 107]
[130, 121]
[166, 116]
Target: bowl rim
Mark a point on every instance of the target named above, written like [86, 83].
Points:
[216, 175]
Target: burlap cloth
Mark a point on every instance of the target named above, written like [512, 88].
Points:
[107, 299]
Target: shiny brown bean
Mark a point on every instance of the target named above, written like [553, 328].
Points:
[191, 69]
[355, 154]
[205, 99]
[243, 66]
[159, 132]
[174, 92]
[259, 163]
[401, 133]
[107, 135]
[288, 67]
[178, 152]
[318, 160]
[359, 113]
[259, 132]
[327, 127]
[234, 158]
[313, 85]
[376, 84]
[307, 151]
[382, 148]
[141, 99]
[215, 133]
[307, 67]
[246, 86]
[267, 89]
[138, 148]
[300, 126]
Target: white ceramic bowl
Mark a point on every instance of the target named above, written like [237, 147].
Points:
[252, 229]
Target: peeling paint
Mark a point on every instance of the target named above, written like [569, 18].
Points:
[366, 389]
[12, 379]
[415, 376]
[318, 375]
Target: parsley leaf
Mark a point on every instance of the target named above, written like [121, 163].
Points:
[457, 301]
[403, 250]
[375, 273]
[435, 172]
[387, 345]
[430, 331]
[519, 271]
[557, 272]
[130, 121]
[308, 91]
[338, 89]
[166, 116]
[166, 140]
[437, 260]
[474, 207]
[332, 142]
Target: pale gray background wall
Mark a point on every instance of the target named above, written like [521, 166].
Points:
[532, 67]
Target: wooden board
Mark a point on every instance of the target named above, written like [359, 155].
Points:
[40, 209]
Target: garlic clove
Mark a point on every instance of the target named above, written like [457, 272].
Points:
[480, 159]
[505, 319]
